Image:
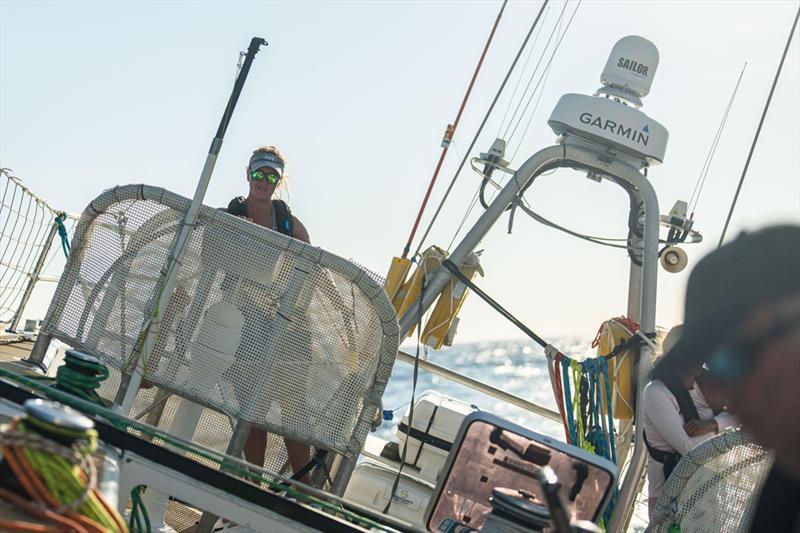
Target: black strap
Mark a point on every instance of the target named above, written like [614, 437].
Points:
[237, 207]
[424, 437]
[449, 265]
[688, 411]
[685, 404]
[317, 461]
[669, 459]
[283, 215]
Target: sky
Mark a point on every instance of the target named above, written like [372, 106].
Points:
[358, 94]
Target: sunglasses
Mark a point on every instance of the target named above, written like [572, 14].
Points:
[733, 360]
[271, 177]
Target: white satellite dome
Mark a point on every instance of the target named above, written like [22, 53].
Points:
[630, 69]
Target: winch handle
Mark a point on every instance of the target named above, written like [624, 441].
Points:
[558, 511]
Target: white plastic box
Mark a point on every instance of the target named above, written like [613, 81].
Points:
[371, 484]
[437, 419]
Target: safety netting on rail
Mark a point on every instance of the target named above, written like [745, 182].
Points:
[260, 327]
[714, 486]
[28, 226]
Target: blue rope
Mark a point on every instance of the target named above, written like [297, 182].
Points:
[611, 437]
[573, 434]
[62, 232]
[594, 433]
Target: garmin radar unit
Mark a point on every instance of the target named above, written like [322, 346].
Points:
[612, 117]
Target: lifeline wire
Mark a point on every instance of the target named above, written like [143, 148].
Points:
[758, 131]
[480, 128]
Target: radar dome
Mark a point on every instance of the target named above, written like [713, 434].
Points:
[630, 69]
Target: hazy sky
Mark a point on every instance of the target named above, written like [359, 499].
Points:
[358, 95]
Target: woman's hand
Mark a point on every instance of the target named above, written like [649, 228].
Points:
[700, 427]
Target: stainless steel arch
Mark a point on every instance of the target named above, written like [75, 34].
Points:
[642, 282]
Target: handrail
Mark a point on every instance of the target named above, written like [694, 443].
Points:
[481, 387]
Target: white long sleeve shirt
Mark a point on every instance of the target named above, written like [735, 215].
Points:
[664, 423]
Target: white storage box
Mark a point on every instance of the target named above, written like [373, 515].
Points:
[437, 419]
[371, 484]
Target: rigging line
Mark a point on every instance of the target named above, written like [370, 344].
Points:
[701, 179]
[480, 128]
[556, 25]
[522, 74]
[553, 55]
[451, 131]
[758, 131]
[466, 216]
[533, 113]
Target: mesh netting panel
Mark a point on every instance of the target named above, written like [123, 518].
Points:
[158, 408]
[714, 487]
[26, 223]
[260, 327]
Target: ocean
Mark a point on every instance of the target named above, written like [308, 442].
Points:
[518, 367]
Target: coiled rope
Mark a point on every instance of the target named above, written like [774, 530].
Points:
[60, 480]
[81, 378]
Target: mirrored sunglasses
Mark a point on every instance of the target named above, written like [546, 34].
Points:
[271, 177]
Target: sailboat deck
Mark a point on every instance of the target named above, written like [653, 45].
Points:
[13, 350]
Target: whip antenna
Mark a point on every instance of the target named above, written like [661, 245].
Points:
[758, 130]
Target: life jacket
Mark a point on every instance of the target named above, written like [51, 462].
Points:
[283, 215]
[688, 411]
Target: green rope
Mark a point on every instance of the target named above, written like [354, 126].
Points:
[63, 234]
[81, 378]
[219, 459]
[139, 521]
[63, 478]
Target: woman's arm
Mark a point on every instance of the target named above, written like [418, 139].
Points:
[299, 231]
[661, 408]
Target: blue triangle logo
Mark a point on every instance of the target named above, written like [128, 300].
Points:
[646, 128]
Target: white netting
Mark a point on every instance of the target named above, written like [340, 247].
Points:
[714, 487]
[261, 327]
[25, 224]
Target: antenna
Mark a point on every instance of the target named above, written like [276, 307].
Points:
[610, 121]
[630, 70]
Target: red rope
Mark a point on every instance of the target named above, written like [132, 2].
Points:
[451, 129]
[560, 393]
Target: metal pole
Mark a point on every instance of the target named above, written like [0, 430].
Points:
[441, 276]
[127, 391]
[649, 279]
[34, 276]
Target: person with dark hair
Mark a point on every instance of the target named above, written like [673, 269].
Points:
[742, 317]
[677, 417]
